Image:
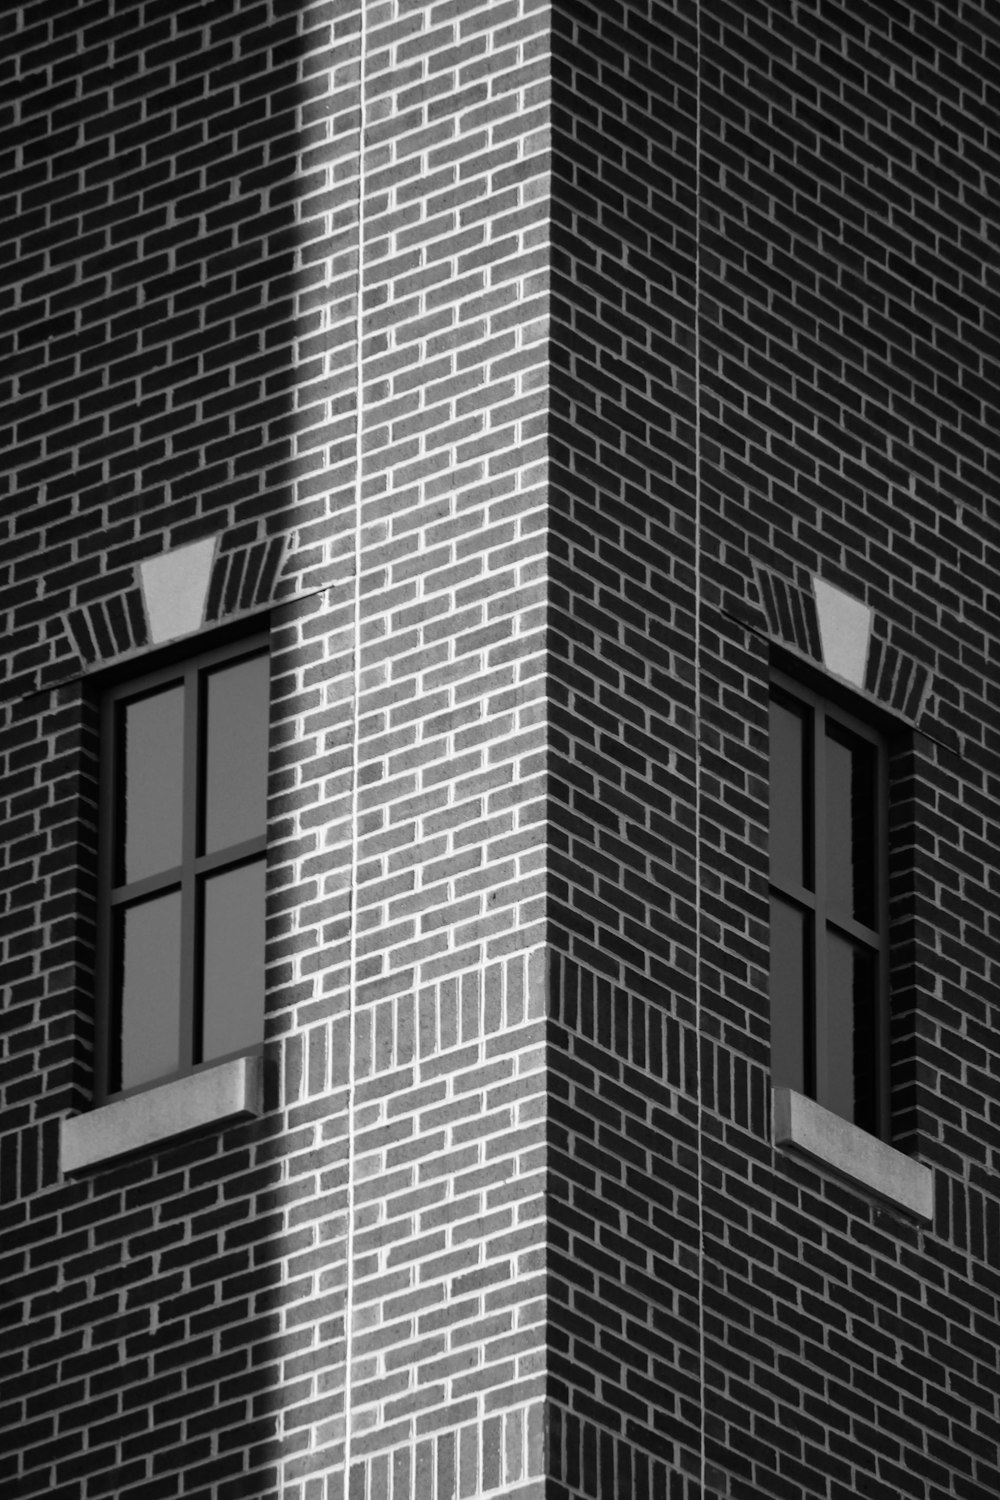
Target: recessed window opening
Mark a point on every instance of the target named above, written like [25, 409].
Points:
[829, 900]
[181, 942]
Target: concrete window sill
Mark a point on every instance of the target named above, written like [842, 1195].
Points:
[213, 1096]
[807, 1127]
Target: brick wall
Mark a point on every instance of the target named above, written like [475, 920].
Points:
[197, 229]
[774, 233]
[625, 1353]
[849, 423]
[529, 450]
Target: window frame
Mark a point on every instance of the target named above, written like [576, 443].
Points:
[192, 671]
[817, 708]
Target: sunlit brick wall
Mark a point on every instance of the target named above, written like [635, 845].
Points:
[277, 276]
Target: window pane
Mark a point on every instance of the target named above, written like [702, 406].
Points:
[153, 755]
[850, 826]
[790, 999]
[151, 989]
[236, 753]
[849, 1070]
[233, 947]
[788, 790]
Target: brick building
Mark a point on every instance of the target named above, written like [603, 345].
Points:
[499, 749]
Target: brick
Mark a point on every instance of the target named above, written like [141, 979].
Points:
[661, 320]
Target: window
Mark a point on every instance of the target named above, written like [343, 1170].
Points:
[829, 928]
[181, 940]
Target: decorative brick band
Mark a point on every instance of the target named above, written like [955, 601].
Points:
[244, 578]
[791, 614]
[29, 1160]
[887, 674]
[898, 681]
[109, 627]
[504, 1455]
[585, 1459]
[241, 580]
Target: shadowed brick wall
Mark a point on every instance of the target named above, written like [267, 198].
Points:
[624, 1135]
[774, 357]
[849, 363]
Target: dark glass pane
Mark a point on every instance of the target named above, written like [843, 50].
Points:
[236, 753]
[851, 865]
[788, 791]
[153, 755]
[790, 999]
[849, 1049]
[150, 936]
[233, 948]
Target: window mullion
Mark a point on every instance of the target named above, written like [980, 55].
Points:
[107, 1009]
[189, 1051]
[219, 859]
[820, 997]
[149, 885]
[798, 895]
[857, 932]
[882, 922]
